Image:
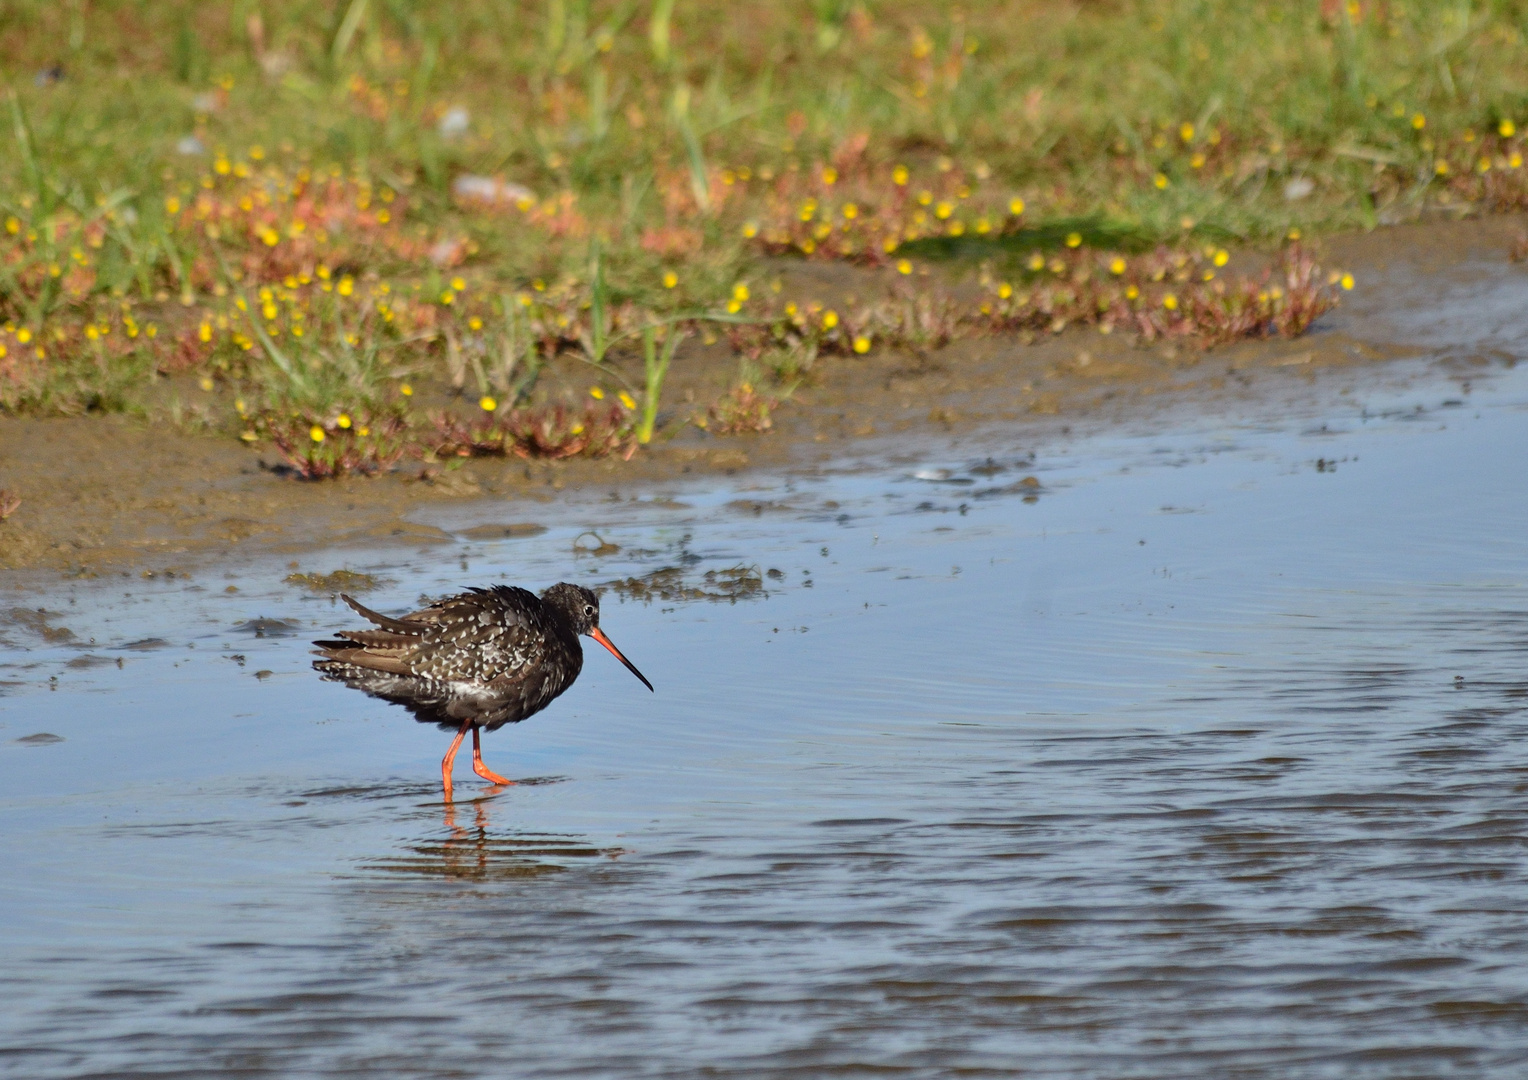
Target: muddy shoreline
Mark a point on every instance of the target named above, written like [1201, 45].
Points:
[112, 494]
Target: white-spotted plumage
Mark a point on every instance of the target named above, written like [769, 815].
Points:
[492, 656]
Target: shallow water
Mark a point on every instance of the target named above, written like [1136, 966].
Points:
[1201, 754]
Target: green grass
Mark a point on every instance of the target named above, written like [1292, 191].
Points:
[664, 137]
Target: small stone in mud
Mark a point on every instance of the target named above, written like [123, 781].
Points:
[503, 532]
[267, 627]
[42, 738]
[145, 644]
[263, 673]
[337, 581]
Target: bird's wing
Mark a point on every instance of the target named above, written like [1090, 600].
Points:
[483, 636]
[413, 624]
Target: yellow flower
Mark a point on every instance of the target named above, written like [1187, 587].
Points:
[1160, 180]
[269, 236]
[475, 323]
[830, 176]
[1222, 257]
[92, 333]
[12, 225]
[1037, 262]
[171, 206]
[1441, 168]
[1419, 121]
[596, 393]
[322, 272]
[1347, 282]
[1170, 302]
[1186, 132]
[861, 344]
[1131, 292]
[740, 292]
[256, 152]
[204, 332]
[925, 197]
[750, 230]
[1073, 240]
[268, 309]
[406, 390]
[808, 246]
[1196, 162]
[458, 284]
[944, 210]
[1294, 234]
[1506, 129]
[1004, 291]
[222, 167]
[448, 297]
[1117, 266]
[346, 285]
[627, 400]
[670, 279]
[316, 433]
[151, 330]
[791, 308]
[363, 431]
[1515, 161]
[487, 403]
[904, 266]
[899, 176]
[733, 307]
[343, 420]
[829, 319]
[851, 211]
[23, 335]
[1016, 206]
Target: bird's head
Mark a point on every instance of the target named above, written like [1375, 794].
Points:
[580, 609]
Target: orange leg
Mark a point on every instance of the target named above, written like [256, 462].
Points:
[477, 763]
[450, 758]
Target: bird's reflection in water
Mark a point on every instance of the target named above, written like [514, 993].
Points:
[471, 850]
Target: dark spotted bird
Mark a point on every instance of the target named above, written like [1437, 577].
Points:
[472, 662]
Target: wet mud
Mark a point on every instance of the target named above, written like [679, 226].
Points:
[108, 494]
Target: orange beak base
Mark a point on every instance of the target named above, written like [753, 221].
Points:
[599, 635]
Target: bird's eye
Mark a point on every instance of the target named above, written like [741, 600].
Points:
[589, 610]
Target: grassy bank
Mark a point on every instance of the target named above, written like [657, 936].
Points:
[359, 230]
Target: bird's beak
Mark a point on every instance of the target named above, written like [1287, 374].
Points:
[599, 635]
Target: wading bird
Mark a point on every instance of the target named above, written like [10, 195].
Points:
[472, 662]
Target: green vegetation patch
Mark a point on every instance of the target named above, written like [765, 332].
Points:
[277, 220]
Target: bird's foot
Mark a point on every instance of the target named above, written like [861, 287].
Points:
[488, 774]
